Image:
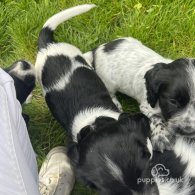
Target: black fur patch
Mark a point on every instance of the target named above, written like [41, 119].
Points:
[45, 37]
[23, 87]
[25, 65]
[55, 67]
[108, 47]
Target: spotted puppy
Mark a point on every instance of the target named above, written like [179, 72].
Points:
[164, 88]
[109, 150]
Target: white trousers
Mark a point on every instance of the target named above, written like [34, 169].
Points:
[18, 167]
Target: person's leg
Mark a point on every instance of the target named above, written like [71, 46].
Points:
[18, 166]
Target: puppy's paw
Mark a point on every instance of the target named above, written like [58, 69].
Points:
[161, 141]
[146, 109]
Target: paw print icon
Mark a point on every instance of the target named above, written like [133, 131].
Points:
[160, 170]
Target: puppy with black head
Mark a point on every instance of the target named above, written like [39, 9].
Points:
[23, 75]
[164, 88]
[110, 150]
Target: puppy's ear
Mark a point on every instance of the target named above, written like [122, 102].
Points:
[102, 122]
[154, 82]
[85, 131]
[73, 151]
[138, 122]
[144, 124]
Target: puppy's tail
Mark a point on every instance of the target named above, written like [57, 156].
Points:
[46, 34]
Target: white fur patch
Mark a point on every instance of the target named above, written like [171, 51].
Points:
[64, 15]
[149, 146]
[171, 188]
[88, 116]
[115, 171]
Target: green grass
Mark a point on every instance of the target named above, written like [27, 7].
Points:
[167, 26]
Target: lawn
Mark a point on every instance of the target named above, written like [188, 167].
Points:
[167, 26]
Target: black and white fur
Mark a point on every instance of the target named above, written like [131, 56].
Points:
[164, 88]
[23, 75]
[180, 164]
[110, 150]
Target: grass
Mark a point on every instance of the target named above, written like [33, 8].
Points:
[166, 26]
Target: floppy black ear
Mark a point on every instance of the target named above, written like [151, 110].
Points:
[139, 122]
[73, 150]
[103, 121]
[153, 83]
[144, 123]
[85, 131]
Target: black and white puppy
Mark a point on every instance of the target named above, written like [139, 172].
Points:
[164, 88]
[110, 150]
[23, 75]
